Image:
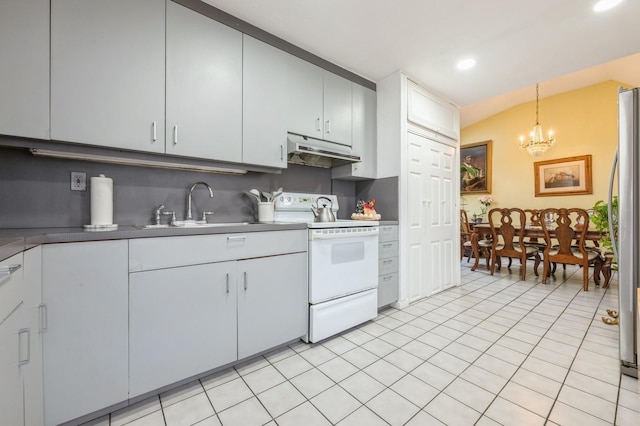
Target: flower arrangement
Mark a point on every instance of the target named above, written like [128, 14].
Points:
[486, 201]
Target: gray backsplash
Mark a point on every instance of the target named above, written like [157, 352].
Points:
[385, 192]
[35, 192]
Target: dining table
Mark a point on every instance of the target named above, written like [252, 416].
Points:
[484, 228]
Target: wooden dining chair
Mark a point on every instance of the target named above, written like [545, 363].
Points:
[465, 236]
[569, 230]
[507, 228]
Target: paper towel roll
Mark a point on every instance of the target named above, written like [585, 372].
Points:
[101, 200]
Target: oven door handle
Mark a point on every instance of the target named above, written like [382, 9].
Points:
[320, 235]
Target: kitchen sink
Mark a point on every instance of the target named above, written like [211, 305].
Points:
[194, 224]
[187, 224]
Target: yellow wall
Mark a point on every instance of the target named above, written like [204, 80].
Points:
[584, 121]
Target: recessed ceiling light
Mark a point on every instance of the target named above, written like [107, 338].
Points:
[465, 64]
[603, 5]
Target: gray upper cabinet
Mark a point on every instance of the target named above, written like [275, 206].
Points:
[264, 104]
[304, 98]
[337, 109]
[363, 136]
[24, 73]
[319, 103]
[204, 87]
[107, 73]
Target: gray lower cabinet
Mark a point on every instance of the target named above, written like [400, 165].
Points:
[388, 285]
[264, 104]
[197, 303]
[84, 337]
[182, 322]
[108, 73]
[272, 306]
[20, 342]
[24, 74]
[204, 87]
[12, 320]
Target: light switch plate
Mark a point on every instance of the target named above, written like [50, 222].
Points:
[78, 181]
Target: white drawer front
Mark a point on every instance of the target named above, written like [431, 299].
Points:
[168, 252]
[388, 233]
[388, 249]
[387, 266]
[334, 316]
[387, 289]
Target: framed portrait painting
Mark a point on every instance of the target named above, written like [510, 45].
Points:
[475, 168]
[563, 176]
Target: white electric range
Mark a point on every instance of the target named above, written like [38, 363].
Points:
[343, 265]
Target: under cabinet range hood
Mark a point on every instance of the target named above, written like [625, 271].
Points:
[308, 151]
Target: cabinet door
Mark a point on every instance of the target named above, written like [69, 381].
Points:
[11, 383]
[304, 93]
[337, 109]
[264, 104]
[425, 109]
[363, 136]
[32, 371]
[11, 322]
[272, 302]
[24, 74]
[204, 87]
[85, 342]
[107, 73]
[182, 323]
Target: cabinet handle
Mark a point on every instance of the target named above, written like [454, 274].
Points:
[318, 124]
[42, 313]
[21, 334]
[155, 134]
[227, 282]
[387, 245]
[6, 271]
[175, 134]
[387, 278]
[386, 262]
[386, 228]
[245, 280]
[281, 152]
[328, 126]
[236, 239]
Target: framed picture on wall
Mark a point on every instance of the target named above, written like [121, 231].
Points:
[475, 168]
[563, 176]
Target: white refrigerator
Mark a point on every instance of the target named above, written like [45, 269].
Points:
[628, 245]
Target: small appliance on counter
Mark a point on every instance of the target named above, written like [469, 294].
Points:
[343, 263]
[101, 204]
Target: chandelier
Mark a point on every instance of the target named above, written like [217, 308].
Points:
[537, 145]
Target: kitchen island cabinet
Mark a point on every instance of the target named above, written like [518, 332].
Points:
[108, 73]
[85, 332]
[204, 87]
[24, 74]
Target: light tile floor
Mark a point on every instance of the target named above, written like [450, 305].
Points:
[496, 350]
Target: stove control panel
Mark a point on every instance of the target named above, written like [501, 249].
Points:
[295, 201]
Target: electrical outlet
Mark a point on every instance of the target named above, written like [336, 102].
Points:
[78, 181]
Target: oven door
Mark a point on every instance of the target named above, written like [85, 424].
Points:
[342, 261]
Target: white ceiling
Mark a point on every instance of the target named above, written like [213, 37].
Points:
[516, 43]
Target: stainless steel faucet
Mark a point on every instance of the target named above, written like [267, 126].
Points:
[189, 216]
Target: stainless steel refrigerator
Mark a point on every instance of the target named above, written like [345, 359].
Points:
[628, 244]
